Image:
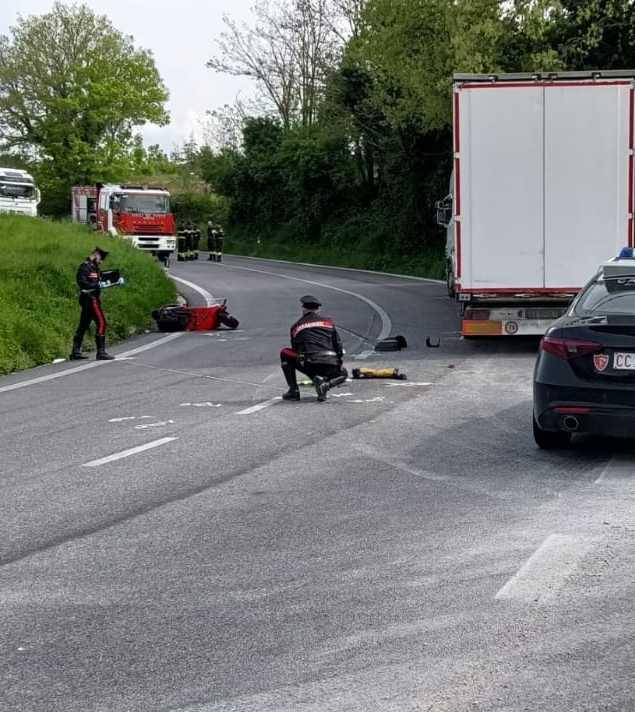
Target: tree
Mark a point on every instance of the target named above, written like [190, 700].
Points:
[289, 51]
[72, 89]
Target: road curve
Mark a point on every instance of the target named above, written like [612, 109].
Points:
[175, 538]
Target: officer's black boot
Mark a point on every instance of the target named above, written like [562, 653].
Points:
[321, 388]
[338, 380]
[293, 394]
[76, 353]
[101, 350]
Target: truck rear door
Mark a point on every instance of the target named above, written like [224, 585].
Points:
[587, 158]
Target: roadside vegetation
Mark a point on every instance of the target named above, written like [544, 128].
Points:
[38, 293]
[344, 149]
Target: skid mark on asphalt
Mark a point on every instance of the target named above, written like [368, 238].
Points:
[403, 466]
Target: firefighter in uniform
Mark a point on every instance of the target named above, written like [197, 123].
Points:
[211, 241]
[316, 350]
[215, 239]
[88, 281]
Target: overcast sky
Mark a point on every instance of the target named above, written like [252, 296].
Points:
[181, 35]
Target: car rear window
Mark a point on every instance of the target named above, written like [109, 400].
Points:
[611, 296]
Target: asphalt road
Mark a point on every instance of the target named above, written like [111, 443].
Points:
[403, 546]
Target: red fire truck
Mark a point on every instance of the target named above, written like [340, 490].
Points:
[137, 213]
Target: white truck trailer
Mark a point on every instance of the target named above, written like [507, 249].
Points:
[541, 193]
[18, 193]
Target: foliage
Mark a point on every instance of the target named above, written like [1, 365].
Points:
[72, 89]
[197, 208]
[38, 294]
[362, 177]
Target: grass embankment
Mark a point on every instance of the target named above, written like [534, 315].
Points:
[430, 262]
[38, 294]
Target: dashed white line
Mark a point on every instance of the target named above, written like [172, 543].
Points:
[260, 406]
[618, 467]
[127, 453]
[543, 574]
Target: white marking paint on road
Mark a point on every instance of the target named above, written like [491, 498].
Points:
[378, 399]
[617, 468]
[386, 323]
[407, 384]
[148, 426]
[541, 577]
[87, 366]
[209, 298]
[130, 417]
[201, 405]
[363, 355]
[128, 453]
[339, 395]
[259, 407]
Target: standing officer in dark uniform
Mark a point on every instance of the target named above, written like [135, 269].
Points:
[88, 281]
[316, 350]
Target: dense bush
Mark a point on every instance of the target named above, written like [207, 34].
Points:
[38, 293]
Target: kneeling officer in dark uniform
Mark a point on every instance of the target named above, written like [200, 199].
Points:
[316, 350]
[88, 281]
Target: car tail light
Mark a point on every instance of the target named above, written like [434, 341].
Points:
[569, 348]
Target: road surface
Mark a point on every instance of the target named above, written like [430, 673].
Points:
[175, 538]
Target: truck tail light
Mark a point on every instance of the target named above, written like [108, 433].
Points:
[569, 348]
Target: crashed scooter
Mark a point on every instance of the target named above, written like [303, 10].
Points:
[178, 317]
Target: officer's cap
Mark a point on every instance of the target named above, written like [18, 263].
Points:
[102, 253]
[310, 302]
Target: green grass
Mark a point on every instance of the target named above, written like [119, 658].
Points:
[38, 294]
[429, 262]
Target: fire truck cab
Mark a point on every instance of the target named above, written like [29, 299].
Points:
[139, 214]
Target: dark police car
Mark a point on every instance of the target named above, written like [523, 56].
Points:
[584, 380]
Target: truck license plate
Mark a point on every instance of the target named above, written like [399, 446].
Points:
[624, 362]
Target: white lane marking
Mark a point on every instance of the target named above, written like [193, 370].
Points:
[345, 269]
[201, 405]
[209, 298]
[386, 323]
[160, 424]
[130, 417]
[408, 384]
[128, 453]
[618, 467]
[87, 366]
[363, 355]
[544, 573]
[379, 399]
[339, 395]
[259, 407]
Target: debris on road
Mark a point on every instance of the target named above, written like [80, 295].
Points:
[362, 373]
[393, 343]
